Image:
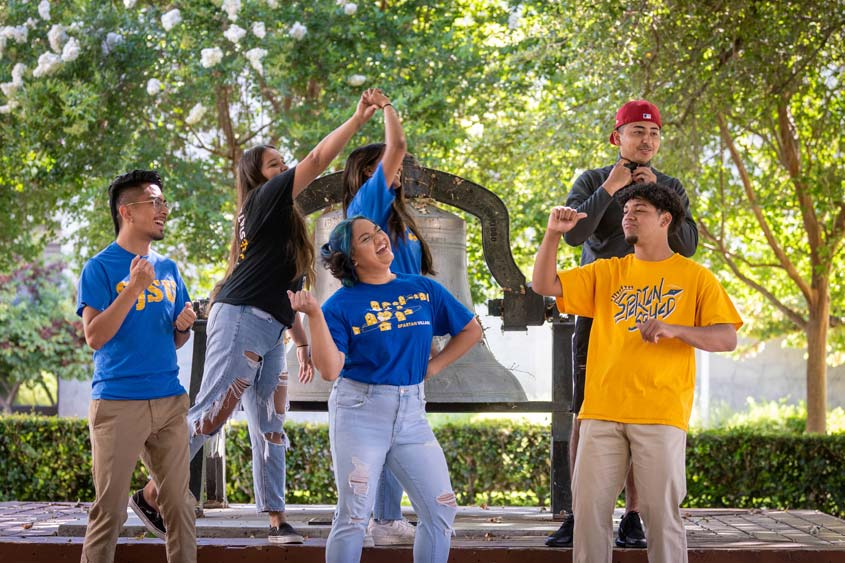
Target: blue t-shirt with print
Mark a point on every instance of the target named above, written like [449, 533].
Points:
[139, 362]
[374, 201]
[385, 330]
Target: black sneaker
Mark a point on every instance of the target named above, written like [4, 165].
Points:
[284, 534]
[631, 534]
[149, 516]
[563, 536]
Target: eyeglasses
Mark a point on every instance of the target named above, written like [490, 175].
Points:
[158, 203]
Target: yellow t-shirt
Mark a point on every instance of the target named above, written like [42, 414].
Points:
[630, 380]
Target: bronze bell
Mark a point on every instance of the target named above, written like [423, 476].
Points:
[474, 378]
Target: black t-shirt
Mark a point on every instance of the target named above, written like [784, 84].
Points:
[266, 266]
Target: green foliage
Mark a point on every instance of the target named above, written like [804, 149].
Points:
[39, 333]
[494, 462]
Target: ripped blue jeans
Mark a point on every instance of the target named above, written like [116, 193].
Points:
[371, 426]
[245, 361]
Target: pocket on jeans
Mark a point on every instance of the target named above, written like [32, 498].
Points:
[347, 399]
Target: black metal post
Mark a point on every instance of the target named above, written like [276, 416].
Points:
[197, 365]
[562, 329]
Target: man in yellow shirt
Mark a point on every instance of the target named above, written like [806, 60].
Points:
[650, 310]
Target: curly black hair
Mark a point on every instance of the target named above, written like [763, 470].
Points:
[127, 182]
[661, 197]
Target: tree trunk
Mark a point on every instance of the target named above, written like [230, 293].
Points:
[816, 331]
[8, 393]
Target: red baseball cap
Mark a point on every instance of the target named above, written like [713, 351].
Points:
[636, 110]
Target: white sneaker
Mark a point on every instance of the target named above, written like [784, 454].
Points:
[394, 532]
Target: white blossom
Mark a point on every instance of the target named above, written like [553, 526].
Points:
[350, 9]
[57, 37]
[195, 114]
[235, 33]
[48, 63]
[129, 4]
[259, 30]
[232, 7]
[297, 31]
[153, 87]
[71, 50]
[171, 19]
[31, 23]
[17, 73]
[356, 79]
[211, 57]
[75, 26]
[272, 3]
[515, 17]
[9, 88]
[111, 41]
[8, 107]
[18, 33]
[44, 10]
[254, 56]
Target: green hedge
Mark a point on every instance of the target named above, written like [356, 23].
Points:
[494, 462]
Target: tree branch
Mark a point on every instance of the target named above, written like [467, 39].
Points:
[791, 271]
[793, 316]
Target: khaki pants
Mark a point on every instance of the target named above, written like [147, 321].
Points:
[157, 431]
[658, 454]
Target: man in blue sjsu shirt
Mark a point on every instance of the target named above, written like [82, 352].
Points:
[136, 312]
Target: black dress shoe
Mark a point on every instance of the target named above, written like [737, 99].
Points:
[631, 534]
[563, 536]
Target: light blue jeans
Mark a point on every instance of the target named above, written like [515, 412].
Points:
[371, 426]
[236, 332]
[388, 497]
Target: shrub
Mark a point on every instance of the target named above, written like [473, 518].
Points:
[493, 462]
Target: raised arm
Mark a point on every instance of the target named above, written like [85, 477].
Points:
[101, 326]
[327, 358]
[544, 280]
[394, 137]
[594, 201]
[684, 240]
[327, 150]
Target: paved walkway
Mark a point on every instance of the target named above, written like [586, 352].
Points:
[517, 526]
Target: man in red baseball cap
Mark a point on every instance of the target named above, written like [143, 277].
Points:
[637, 133]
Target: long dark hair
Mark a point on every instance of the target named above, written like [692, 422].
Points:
[400, 220]
[299, 246]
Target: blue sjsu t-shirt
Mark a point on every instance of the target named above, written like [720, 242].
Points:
[139, 362]
[374, 201]
[385, 330]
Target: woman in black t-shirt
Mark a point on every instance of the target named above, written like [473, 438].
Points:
[244, 363]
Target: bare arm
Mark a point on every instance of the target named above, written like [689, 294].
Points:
[101, 326]
[713, 338]
[394, 137]
[457, 346]
[327, 358]
[544, 280]
[303, 355]
[327, 150]
[183, 323]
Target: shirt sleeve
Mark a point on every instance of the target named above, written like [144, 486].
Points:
[578, 288]
[714, 305]
[587, 196]
[449, 316]
[94, 290]
[373, 199]
[338, 326]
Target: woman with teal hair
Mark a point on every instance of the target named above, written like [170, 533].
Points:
[373, 339]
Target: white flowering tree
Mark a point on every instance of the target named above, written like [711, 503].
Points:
[91, 89]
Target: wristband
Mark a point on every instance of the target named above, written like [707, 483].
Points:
[302, 345]
[387, 104]
[186, 331]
